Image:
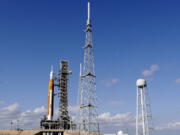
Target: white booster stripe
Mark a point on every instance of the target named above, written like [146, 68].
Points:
[50, 106]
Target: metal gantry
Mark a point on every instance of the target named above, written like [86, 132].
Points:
[88, 100]
[143, 112]
[64, 120]
[63, 116]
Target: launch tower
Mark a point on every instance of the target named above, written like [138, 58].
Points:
[88, 99]
[63, 121]
[63, 116]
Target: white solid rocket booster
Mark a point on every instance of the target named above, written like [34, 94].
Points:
[50, 96]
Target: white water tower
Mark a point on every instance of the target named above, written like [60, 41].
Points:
[143, 113]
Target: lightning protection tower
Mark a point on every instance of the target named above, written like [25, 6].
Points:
[88, 100]
[143, 114]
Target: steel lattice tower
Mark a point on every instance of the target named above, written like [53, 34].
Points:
[88, 99]
[143, 114]
[63, 117]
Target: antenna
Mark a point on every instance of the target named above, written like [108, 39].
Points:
[89, 14]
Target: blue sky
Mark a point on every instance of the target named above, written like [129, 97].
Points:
[129, 37]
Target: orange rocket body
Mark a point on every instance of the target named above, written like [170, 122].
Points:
[50, 107]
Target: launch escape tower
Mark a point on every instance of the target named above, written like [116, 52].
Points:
[88, 99]
[63, 120]
[143, 114]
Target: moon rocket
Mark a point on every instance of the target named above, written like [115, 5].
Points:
[50, 96]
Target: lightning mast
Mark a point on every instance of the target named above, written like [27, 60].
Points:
[143, 114]
[88, 99]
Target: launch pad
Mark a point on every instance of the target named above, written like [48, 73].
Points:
[42, 132]
[64, 125]
[63, 120]
[39, 132]
[50, 124]
[88, 117]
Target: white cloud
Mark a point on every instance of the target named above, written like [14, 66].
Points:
[7, 114]
[126, 122]
[112, 123]
[169, 126]
[26, 119]
[178, 80]
[109, 123]
[111, 82]
[40, 110]
[117, 119]
[9, 111]
[151, 71]
[31, 118]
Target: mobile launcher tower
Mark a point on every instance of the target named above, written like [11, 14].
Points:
[63, 121]
[143, 114]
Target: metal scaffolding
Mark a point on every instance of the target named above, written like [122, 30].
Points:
[88, 99]
[64, 120]
[63, 116]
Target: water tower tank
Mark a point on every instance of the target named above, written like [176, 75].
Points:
[141, 83]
